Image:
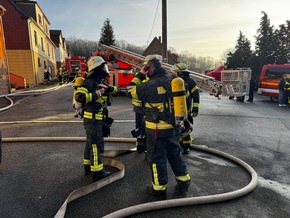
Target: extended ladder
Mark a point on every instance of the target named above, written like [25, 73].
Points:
[204, 82]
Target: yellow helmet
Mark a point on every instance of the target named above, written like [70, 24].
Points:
[179, 67]
[95, 62]
[79, 81]
[151, 57]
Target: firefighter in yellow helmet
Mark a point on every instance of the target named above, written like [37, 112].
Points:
[192, 101]
[89, 94]
[162, 134]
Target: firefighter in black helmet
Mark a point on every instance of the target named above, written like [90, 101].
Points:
[162, 135]
[89, 94]
[192, 102]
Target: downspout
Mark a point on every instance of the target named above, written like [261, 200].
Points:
[32, 50]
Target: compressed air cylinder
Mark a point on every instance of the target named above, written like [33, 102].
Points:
[78, 82]
[179, 99]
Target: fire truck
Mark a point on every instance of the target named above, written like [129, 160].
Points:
[73, 64]
[269, 78]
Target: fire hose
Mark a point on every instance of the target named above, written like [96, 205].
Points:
[190, 201]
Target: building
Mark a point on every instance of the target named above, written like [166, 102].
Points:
[4, 76]
[61, 48]
[29, 48]
[155, 47]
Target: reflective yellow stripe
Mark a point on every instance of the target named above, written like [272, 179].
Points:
[134, 93]
[194, 89]
[155, 183]
[87, 162]
[183, 178]
[269, 83]
[89, 96]
[89, 115]
[96, 166]
[160, 106]
[115, 90]
[160, 125]
[195, 104]
[136, 102]
[136, 80]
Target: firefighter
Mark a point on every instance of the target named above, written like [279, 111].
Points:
[78, 72]
[162, 135]
[89, 94]
[139, 131]
[60, 76]
[192, 101]
[287, 91]
[65, 75]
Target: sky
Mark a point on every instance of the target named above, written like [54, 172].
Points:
[199, 27]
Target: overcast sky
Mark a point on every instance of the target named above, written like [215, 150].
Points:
[201, 27]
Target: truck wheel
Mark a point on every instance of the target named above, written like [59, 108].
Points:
[274, 99]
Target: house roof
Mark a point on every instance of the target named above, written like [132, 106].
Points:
[155, 47]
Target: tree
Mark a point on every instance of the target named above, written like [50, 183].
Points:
[265, 43]
[81, 47]
[282, 38]
[242, 55]
[107, 34]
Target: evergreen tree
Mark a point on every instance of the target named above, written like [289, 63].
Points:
[265, 43]
[242, 55]
[107, 34]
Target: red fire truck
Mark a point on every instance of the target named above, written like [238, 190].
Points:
[269, 78]
[121, 73]
[73, 64]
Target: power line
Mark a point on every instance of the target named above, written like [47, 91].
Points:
[153, 21]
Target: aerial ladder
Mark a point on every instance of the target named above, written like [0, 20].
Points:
[204, 82]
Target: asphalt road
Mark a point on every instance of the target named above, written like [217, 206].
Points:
[37, 177]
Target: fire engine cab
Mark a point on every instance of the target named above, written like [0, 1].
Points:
[73, 64]
[269, 78]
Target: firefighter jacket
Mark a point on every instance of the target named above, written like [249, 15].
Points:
[92, 103]
[281, 84]
[192, 93]
[154, 93]
[137, 104]
[287, 88]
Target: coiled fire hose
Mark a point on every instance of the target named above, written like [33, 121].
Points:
[190, 201]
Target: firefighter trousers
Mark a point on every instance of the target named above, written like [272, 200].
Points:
[94, 148]
[161, 149]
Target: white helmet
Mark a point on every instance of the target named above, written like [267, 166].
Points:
[151, 57]
[95, 62]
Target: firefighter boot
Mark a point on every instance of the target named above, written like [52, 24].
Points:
[183, 187]
[87, 169]
[100, 175]
[161, 195]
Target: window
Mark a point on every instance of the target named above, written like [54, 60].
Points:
[44, 62]
[42, 46]
[276, 73]
[40, 19]
[39, 64]
[35, 37]
[48, 50]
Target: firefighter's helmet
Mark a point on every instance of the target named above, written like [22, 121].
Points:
[151, 57]
[94, 62]
[180, 67]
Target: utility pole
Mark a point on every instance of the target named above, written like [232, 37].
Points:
[164, 32]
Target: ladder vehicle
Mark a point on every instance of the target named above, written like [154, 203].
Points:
[269, 78]
[73, 64]
[204, 82]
